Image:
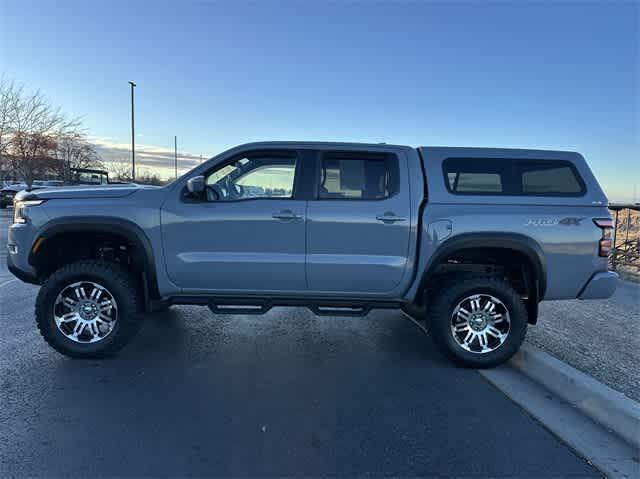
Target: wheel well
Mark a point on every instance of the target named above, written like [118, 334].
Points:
[49, 253]
[514, 265]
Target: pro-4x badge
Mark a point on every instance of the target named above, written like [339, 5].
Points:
[568, 221]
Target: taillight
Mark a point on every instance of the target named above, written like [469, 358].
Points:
[606, 243]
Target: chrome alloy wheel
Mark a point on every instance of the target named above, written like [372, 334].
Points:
[480, 323]
[85, 312]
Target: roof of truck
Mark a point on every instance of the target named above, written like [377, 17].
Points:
[352, 145]
[497, 151]
[317, 144]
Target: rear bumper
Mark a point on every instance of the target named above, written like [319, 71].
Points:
[600, 286]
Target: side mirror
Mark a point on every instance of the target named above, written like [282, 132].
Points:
[196, 185]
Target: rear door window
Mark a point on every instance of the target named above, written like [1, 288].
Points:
[358, 177]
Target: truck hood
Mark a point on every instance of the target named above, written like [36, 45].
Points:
[82, 191]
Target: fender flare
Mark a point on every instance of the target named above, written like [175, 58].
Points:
[512, 241]
[106, 224]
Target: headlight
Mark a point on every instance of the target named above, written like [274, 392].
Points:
[21, 209]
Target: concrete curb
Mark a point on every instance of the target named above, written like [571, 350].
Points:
[608, 407]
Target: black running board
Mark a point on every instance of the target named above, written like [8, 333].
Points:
[260, 305]
[330, 310]
[238, 307]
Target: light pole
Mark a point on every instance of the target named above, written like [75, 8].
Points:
[133, 137]
[175, 153]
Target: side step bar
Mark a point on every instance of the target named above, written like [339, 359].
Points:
[258, 305]
[239, 306]
[340, 310]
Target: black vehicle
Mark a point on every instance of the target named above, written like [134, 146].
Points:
[9, 192]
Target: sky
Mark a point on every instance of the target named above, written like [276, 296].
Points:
[216, 74]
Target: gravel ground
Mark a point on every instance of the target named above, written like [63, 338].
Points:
[600, 338]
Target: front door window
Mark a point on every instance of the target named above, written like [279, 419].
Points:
[251, 178]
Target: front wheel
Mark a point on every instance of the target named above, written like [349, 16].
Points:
[89, 309]
[476, 320]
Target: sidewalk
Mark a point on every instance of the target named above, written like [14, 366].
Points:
[600, 338]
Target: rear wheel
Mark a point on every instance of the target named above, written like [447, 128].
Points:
[476, 320]
[89, 309]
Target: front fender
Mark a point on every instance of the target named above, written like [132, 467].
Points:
[105, 224]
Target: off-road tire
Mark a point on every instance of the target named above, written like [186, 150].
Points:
[453, 289]
[123, 287]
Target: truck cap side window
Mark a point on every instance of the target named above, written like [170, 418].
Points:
[514, 177]
[358, 176]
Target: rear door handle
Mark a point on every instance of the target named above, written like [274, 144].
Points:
[285, 215]
[389, 218]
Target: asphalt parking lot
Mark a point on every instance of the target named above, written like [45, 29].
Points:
[282, 394]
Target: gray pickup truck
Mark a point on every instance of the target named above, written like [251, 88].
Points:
[469, 239]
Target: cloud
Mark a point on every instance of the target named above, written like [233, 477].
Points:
[156, 158]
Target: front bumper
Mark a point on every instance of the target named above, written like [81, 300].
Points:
[600, 286]
[21, 274]
[19, 241]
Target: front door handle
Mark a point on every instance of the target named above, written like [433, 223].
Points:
[389, 217]
[285, 215]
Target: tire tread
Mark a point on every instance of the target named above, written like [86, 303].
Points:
[129, 323]
[438, 313]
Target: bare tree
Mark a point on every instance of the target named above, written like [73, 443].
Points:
[8, 95]
[7, 104]
[74, 151]
[121, 171]
[34, 127]
[146, 177]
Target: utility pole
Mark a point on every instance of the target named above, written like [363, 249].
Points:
[133, 137]
[175, 153]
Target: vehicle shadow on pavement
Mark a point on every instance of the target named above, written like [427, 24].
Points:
[194, 330]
